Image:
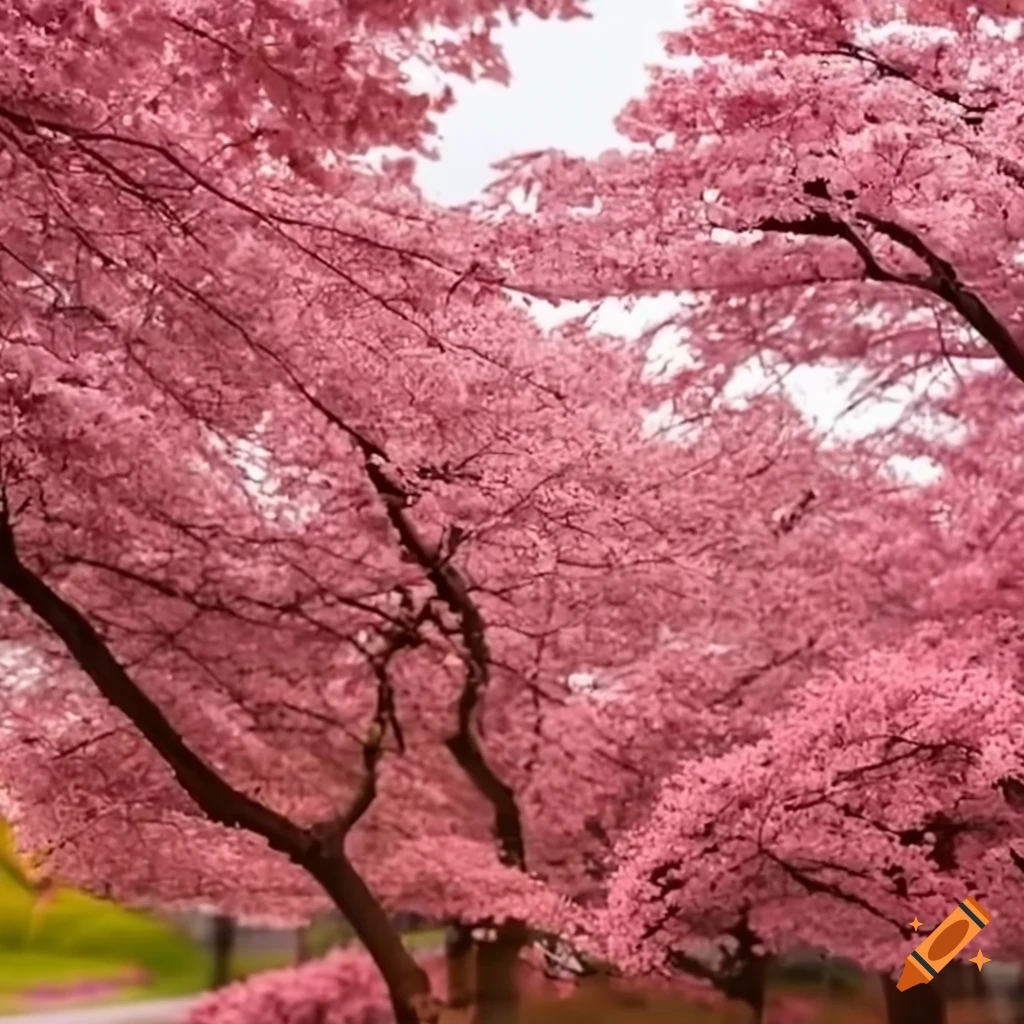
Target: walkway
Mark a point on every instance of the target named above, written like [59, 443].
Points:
[160, 1011]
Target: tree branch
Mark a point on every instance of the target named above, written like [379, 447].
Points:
[941, 281]
[453, 591]
[213, 795]
[973, 112]
[814, 885]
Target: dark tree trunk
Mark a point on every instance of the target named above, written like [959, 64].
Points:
[1017, 998]
[407, 982]
[922, 1004]
[967, 981]
[497, 976]
[460, 957]
[222, 944]
[961, 980]
[750, 986]
[302, 951]
[742, 979]
[977, 986]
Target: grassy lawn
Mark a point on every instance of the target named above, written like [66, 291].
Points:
[72, 941]
[428, 939]
[28, 969]
[101, 952]
[23, 973]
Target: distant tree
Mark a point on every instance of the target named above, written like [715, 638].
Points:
[223, 939]
[883, 793]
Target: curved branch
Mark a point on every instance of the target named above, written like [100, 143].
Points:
[212, 794]
[215, 796]
[452, 589]
[942, 280]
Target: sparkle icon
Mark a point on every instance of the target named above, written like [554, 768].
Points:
[915, 924]
[980, 959]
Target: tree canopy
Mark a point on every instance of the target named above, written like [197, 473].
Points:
[331, 575]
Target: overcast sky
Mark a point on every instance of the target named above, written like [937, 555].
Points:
[569, 80]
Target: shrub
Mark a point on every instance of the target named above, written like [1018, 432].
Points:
[342, 988]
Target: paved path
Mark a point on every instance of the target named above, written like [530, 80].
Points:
[159, 1011]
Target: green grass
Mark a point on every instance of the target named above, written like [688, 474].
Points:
[26, 970]
[69, 938]
[22, 971]
[246, 962]
[72, 924]
[428, 938]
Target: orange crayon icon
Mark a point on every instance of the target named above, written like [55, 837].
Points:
[943, 944]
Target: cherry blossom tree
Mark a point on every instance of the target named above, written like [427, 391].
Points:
[199, 417]
[177, 511]
[832, 188]
[212, 626]
[885, 790]
[148, 148]
[256, 530]
[830, 185]
[311, 536]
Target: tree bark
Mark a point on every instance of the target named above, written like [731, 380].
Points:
[750, 986]
[319, 851]
[407, 982]
[744, 979]
[977, 985]
[923, 1004]
[497, 990]
[497, 975]
[302, 952]
[222, 944]
[460, 962]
